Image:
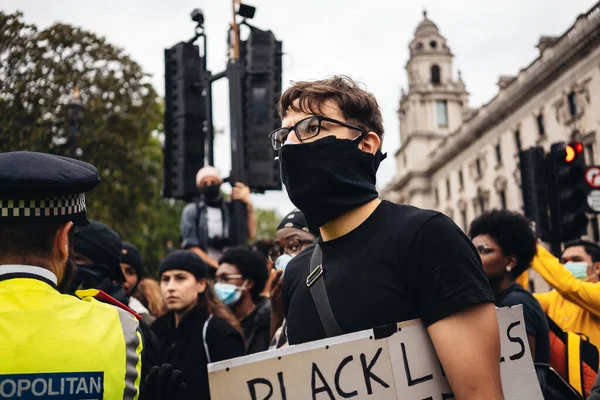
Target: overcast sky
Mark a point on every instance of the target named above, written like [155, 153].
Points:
[366, 40]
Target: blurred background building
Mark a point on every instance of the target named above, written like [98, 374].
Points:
[463, 161]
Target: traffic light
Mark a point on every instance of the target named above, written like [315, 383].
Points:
[261, 89]
[534, 188]
[568, 190]
[185, 120]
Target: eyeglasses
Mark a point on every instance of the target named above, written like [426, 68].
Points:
[291, 248]
[224, 278]
[305, 129]
[483, 249]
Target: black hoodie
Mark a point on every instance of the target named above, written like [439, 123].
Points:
[183, 347]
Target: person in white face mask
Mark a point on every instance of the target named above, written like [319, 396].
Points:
[575, 303]
[241, 277]
[291, 238]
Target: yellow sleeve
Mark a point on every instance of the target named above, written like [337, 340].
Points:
[523, 280]
[545, 299]
[585, 294]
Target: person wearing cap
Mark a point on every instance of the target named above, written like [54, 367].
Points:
[133, 272]
[51, 343]
[291, 238]
[199, 328]
[206, 226]
[132, 267]
[98, 257]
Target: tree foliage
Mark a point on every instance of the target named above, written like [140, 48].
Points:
[268, 220]
[39, 70]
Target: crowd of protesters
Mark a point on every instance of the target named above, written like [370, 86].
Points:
[85, 289]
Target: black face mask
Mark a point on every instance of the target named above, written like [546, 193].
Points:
[328, 177]
[211, 193]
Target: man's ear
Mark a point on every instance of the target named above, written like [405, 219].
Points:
[370, 143]
[61, 241]
[596, 268]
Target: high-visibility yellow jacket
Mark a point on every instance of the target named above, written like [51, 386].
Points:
[574, 305]
[58, 346]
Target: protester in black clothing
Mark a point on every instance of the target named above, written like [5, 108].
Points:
[98, 257]
[207, 227]
[198, 329]
[507, 244]
[382, 262]
[133, 271]
[97, 253]
[241, 278]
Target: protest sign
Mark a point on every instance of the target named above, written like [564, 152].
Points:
[387, 363]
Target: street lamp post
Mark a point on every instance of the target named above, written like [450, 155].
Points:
[75, 107]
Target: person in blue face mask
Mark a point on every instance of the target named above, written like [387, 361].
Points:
[240, 279]
[291, 238]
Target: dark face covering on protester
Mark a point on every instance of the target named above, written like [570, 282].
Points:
[328, 177]
[212, 193]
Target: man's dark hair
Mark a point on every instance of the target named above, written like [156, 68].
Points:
[591, 248]
[263, 246]
[251, 264]
[513, 233]
[358, 106]
[30, 241]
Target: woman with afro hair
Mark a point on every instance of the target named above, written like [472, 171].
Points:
[507, 244]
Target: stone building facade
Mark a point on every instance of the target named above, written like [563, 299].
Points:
[464, 161]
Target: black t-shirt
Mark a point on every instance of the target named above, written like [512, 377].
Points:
[536, 323]
[401, 263]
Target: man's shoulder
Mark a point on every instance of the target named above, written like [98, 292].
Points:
[299, 262]
[407, 213]
[189, 208]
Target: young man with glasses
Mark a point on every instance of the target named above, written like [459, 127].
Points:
[382, 262]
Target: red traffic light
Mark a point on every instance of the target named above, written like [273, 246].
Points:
[572, 150]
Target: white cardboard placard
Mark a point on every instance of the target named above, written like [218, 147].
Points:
[401, 366]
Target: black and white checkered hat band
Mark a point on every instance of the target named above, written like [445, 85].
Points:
[54, 207]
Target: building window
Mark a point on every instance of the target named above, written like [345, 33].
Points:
[478, 167]
[437, 196]
[481, 202]
[442, 112]
[518, 139]
[540, 125]
[448, 187]
[498, 154]
[589, 154]
[463, 215]
[572, 98]
[435, 74]
[419, 46]
[433, 44]
[502, 195]
[461, 181]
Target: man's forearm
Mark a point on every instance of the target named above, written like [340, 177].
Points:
[468, 346]
[211, 262]
[251, 221]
